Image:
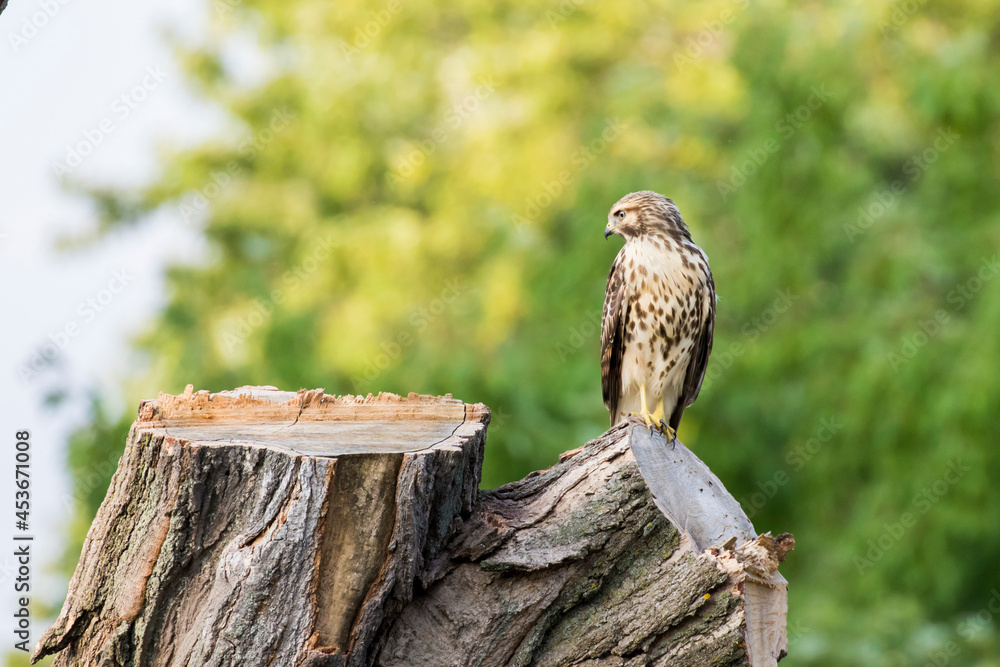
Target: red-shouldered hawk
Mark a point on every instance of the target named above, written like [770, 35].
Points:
[659, 314]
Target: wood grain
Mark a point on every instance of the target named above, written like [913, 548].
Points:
[261, 528]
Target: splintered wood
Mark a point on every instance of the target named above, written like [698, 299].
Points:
[261, 527]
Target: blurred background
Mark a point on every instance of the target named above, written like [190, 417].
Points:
[402, 197]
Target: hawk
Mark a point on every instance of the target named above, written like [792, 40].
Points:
[659, 314]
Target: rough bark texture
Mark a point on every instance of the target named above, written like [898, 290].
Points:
[259, 527]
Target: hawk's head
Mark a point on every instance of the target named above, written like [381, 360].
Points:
[642, 213]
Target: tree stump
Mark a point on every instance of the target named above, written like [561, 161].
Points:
[260, 527]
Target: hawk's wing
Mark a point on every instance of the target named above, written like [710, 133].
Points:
[699, 359]
[613, 336]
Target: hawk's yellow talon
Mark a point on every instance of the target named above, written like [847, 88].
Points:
[667, 431]
[658, 412]
[654, 420]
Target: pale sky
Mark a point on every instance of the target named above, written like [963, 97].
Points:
[91, 86]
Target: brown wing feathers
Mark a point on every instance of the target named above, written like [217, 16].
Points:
[699, 360]
[613, 338]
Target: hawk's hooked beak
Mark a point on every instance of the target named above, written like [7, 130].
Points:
[609, 230]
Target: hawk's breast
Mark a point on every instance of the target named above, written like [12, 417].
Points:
[667, 299]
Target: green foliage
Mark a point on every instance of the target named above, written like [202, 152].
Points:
[420, 208]
[21, 659]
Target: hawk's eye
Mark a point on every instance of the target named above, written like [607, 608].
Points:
[620, 214]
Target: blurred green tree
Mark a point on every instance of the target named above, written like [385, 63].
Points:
[416, 200]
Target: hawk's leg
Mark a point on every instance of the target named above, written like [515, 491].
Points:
[650, 418]
[660, 419]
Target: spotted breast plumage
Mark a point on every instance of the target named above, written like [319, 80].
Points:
[659, 314]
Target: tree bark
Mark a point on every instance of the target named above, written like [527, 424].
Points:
[259, 527]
